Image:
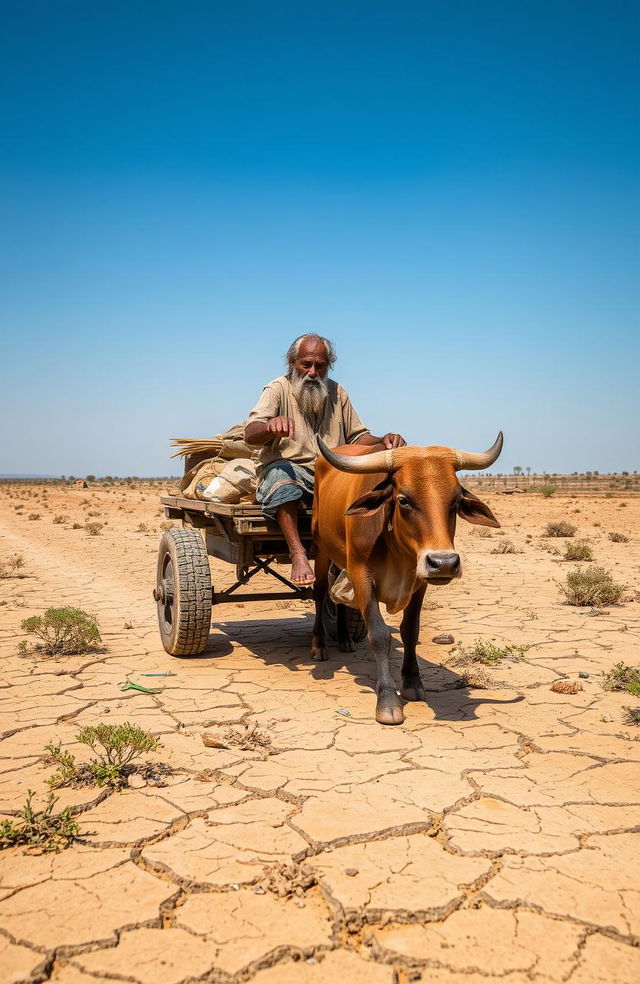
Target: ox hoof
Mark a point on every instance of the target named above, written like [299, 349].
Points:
[346, 646]
[319, 655]
[413, 691]
[389, 710]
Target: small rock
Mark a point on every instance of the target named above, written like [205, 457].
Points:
[583, 675]
[607, 718]
[444, 639]
[344, 713]
[259, 890]
[300, 904]
[351, 872]
[137, 782]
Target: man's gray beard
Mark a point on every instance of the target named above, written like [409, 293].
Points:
[311, 396]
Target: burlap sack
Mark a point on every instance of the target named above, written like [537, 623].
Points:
[234, 483]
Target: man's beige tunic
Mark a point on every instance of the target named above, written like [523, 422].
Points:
[340, 424]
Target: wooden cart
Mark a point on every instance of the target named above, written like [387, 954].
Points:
[240, 535]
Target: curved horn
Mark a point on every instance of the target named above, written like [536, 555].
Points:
[379, 461]
[468, 461]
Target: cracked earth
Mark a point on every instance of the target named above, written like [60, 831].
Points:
[492, 836]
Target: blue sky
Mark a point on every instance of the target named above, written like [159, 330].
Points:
[448, 190]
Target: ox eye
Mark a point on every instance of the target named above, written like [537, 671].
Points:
[404, 502]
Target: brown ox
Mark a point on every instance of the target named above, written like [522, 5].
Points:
[388, 518]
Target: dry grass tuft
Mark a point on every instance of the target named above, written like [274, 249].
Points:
[578, 551]
[561, 528]
[593, 587]
[505, 547]
[618, 538]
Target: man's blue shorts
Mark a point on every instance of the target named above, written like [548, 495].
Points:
[283, 481]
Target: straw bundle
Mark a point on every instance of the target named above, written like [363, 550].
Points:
[186, 446]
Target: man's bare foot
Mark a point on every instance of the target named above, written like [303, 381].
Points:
[301, 572]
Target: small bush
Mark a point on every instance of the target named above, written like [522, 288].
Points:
[167, 525]
[33, 516]
[116, 745]
[488, 653]
[12, 567]
[63, 632]
[578, 551]
[40, 828]
[142, 528]
[631, 715]
[560, 529]
[623, 678]
[60, 518]
[77, 526]
[65, 762]
[593, 587]
[618, 538]
[93, 528]
[505, 547]
[548, 490]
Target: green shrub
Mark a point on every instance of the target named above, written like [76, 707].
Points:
[488, 653]
[40, 828]
[63, 632]
[66, 763]
[618, 538]
[594, 587]
[548, 490]
[623, 678]
[116, 745]
[578, 551]
[560, 529]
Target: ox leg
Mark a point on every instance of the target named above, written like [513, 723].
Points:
[412, 687]
[388, 704]
[318, 645]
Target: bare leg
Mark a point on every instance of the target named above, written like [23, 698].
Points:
[388, 705]
[301, 572]
[412, 688]
[318, 646]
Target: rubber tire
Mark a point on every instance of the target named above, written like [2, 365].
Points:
[186, 632]
[355, 622]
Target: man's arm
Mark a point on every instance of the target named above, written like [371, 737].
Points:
[261, 432]
[389, 440]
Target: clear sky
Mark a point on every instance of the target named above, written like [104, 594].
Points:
[448, 190]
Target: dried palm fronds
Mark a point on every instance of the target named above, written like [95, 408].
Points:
[186, 445]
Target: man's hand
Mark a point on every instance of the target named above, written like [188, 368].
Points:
[281, 426]
[393, 441]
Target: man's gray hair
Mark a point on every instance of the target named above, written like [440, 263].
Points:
[294, 348]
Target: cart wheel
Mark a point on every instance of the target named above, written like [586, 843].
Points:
[355, 621]
[183, 592]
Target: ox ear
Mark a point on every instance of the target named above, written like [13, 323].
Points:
[475, 511]
[370, 502]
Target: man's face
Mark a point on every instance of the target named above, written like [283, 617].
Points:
[311, 361]
[307, 378]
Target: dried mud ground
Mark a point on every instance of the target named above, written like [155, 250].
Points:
[493, 836]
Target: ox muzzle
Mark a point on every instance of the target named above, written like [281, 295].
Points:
[438, 566]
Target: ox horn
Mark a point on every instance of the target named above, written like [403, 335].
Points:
[379, 461]
[468, 460]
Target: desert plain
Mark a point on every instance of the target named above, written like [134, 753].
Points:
[493, 836]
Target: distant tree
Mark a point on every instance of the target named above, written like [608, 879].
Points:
[517, 469]
[90, 478]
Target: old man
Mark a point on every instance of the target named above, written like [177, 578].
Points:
[291, 412]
